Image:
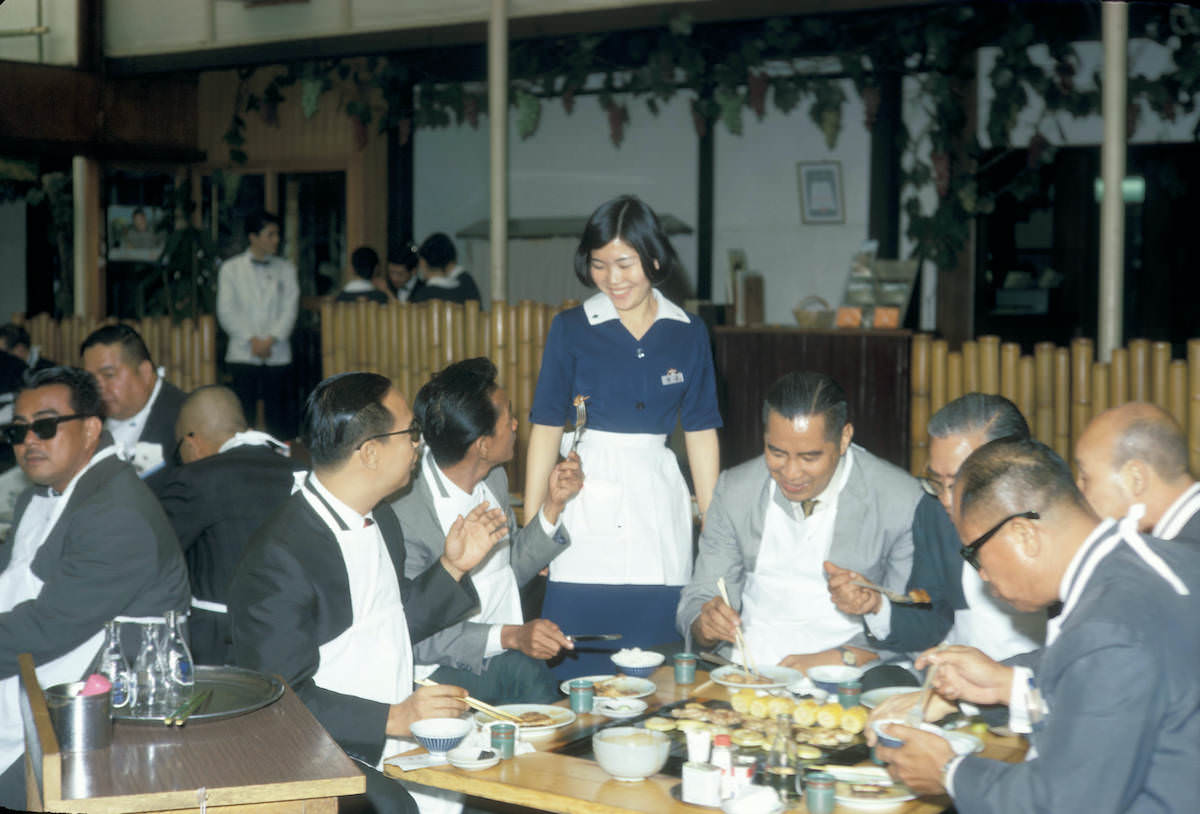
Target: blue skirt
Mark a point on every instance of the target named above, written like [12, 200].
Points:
[644, 614]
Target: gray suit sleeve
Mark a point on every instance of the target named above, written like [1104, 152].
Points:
[533, 549]
[720, 556]
[1093, 749]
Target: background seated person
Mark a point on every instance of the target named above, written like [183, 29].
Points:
[365, 262]
[1111, 706]
[963, 611]
[469, 431]
[402, 278]
[141, 406]
[232, 479]
[775, 520]
[320, 597]
[89, 543]
[1137, 453]
[441, 276]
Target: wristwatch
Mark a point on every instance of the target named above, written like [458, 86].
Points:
[849, 657]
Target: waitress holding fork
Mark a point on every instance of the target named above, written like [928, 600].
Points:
[643, 364]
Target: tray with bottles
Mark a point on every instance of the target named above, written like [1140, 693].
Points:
[232, 691]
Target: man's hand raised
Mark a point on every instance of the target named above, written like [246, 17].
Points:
[471, 538]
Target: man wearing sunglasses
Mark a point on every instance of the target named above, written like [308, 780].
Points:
[1111, 705]
[962, 610]
[89, 543]
[139, 405]
[321, 597]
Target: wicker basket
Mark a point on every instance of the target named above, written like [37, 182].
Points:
[814, 314]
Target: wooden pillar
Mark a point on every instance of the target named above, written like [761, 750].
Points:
[89, 296]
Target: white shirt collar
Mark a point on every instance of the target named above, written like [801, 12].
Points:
[126, 432]
[448, 281]
[253, 438]
[1099, 533]
[357, 286]
[599, 308]
[351, 518]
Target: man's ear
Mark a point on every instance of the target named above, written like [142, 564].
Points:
[1135, 478]
[847, 437]
[1027, 538]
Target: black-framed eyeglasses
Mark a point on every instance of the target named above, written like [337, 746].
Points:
[934, 486]
[970, 551]
[413, 430]
[43, 428]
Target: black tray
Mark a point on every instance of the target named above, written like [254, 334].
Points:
[234, 691]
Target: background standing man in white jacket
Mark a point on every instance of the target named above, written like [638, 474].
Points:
[257, 301]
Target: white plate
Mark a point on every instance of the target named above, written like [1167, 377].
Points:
[875, 697]
[628, 686]
[467, 758]
[780, 677]
[896, 794]
[618, 707]
[561, 716]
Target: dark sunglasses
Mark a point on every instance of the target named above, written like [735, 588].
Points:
[43, 428]
[413, 430]
[970, 552]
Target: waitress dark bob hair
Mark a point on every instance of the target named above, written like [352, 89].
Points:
[627, 218]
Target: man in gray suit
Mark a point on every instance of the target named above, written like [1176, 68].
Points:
[469, 431]
[776, 521]
[1111, 704]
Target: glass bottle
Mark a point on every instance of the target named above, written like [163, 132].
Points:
[781, 764]
[180, 673]
[110, 662]
[149, 668]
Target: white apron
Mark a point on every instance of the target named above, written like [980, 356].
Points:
[632, 522]
[19, 584]
[372, 658]
[992, 625]
[786, 607]
[494, 580]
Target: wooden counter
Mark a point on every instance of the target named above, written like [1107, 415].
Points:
[277, 759]
[546, 781]
[871, 366]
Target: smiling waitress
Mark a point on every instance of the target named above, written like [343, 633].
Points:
[643, 363]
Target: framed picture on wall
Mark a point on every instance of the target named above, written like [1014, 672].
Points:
[821, 192]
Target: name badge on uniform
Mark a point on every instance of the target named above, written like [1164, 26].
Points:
[672, 376]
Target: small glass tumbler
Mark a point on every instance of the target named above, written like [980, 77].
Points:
[819, 793]
[685, 668]
[583, 694]
[504, 740]
[849, 694]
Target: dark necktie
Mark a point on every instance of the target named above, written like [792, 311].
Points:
[807, 506]
[368, 522]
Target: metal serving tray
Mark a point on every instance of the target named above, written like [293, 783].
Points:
[235, 691]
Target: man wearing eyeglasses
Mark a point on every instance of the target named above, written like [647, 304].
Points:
[962, 610]
[89, 543]
[470, 431]
[321, 597]
[1137, 454]
[1111, 704]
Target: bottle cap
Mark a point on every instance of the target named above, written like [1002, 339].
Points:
[722, 740]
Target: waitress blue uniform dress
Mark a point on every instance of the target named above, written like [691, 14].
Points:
[631, 525]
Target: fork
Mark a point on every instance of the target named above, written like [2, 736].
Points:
[894, 596]
[580, 421]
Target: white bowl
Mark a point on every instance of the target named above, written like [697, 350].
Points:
[629, 753]
[653, 662]
[440, 735]
[828, 676]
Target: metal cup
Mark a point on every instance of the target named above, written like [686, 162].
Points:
[685, 668]
[81, 722]
[583, 694]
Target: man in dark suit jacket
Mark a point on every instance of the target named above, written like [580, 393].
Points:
[89, 543]
[15, 339]
[232, 479]
[320, 596]
[1112, 704]
[1137, 453]
[365, 262]
[140, 405]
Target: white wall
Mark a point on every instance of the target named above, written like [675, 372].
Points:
[12, 259]
[133, 27]
[758, 206]
[58, 46]
[567, 168]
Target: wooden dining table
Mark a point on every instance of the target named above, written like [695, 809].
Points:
[547, 781]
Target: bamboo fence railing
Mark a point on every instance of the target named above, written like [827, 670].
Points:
[1057, 389]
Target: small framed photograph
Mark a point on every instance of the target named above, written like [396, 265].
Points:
[821, 192]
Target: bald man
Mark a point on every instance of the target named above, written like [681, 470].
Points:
[1137, 453]
[231, 480]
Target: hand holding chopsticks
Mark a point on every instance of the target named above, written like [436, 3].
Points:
[747, 660]
[475, 703]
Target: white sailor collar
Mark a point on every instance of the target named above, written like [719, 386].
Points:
[450, 280]
[599, 308]
[1106, 526]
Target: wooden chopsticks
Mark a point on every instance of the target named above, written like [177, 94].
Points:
[475, 703]
[747, 660]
